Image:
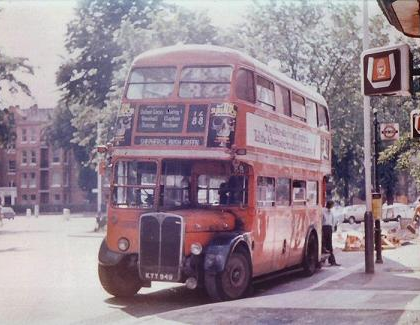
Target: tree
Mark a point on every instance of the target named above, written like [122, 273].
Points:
[319, 44]
[11, 84]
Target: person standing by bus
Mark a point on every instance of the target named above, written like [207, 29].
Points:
[327, 230]
[416, 218]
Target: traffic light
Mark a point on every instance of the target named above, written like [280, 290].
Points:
[415, 124]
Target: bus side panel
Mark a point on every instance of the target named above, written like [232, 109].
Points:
[300, 226]
[264, 240]
[283, 226]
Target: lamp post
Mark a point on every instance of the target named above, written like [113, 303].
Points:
[378, 239]
[369, 258]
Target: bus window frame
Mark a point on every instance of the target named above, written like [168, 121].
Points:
[260, 103]
[265, 203]
[295, 116]
[299, 202]
[278, 93]
[127, 83]
[235, 79]
[279, 203]
[308, 201]
[327, 115]
[178, 81]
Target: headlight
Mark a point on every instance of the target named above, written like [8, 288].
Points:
[123, 244]
[196, 248]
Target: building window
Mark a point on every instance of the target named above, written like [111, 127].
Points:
[24, 157]
[24, 182]
[245, 85]
[265, 191]
[33, 197]
[66, 156]
[298, 107]
[24, 197]
[12, 166]
[32, 135]
[12, 184]
[24, 135]
[57, 197]
[33, 157]
[32, 180]
[265, 93]
[56, 179]
[56, 155]
[66, 178]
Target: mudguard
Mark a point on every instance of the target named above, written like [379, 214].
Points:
[219, 249]
[308, 233]
[107, 257]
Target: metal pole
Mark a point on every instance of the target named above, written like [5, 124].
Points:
[99, 178]
[378, 239]
[369, 263]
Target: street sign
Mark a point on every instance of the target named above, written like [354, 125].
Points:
[387, 71]
[390, 131]
[415, 123]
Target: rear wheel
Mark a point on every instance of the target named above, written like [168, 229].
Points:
[233, 282]
[310, 261]
[352, 220]
[119, 280]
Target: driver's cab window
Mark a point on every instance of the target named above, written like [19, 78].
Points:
[175, 184]
[134, 184]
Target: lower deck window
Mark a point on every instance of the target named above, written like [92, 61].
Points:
[299, 192]
[265, 191]
[222, 190]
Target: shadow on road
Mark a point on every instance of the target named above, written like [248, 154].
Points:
[12, 249]
[160, 301]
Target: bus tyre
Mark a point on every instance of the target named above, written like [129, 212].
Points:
[119, 280]
[233, 282]
[310, 262]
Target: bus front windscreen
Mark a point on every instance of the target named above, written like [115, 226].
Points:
[205, 82]
[134, 184]
[153, 82]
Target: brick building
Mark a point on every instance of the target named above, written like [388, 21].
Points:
[33, 172]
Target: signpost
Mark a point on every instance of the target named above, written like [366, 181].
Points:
[390, 131]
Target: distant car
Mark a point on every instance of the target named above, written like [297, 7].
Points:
[8, 213]
[354, 213]
[338, 214]
[396, 212]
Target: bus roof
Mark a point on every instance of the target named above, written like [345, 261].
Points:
[211, 54]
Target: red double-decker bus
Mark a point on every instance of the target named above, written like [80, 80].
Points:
[219, 170]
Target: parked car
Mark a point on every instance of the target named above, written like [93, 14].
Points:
[338, 214]
[354, 213]
[396, 212]
[8, 213]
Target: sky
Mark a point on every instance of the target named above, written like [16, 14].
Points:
[36, 30]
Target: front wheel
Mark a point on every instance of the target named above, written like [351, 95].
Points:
[310, 260]
[119, 280]
[233, 282]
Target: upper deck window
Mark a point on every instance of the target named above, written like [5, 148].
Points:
[284, 101]
[323, 119]
[205, 82]
[245, 85]
[151, 82]
[265, 93]
[298, 107]
[311, 113]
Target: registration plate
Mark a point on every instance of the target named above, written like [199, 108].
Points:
[159, 276]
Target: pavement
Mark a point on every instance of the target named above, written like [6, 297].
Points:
[348, 295]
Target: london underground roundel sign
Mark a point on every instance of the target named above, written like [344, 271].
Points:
[390, 131]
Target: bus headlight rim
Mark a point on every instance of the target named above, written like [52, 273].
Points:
[196, 248]
[123, 244]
